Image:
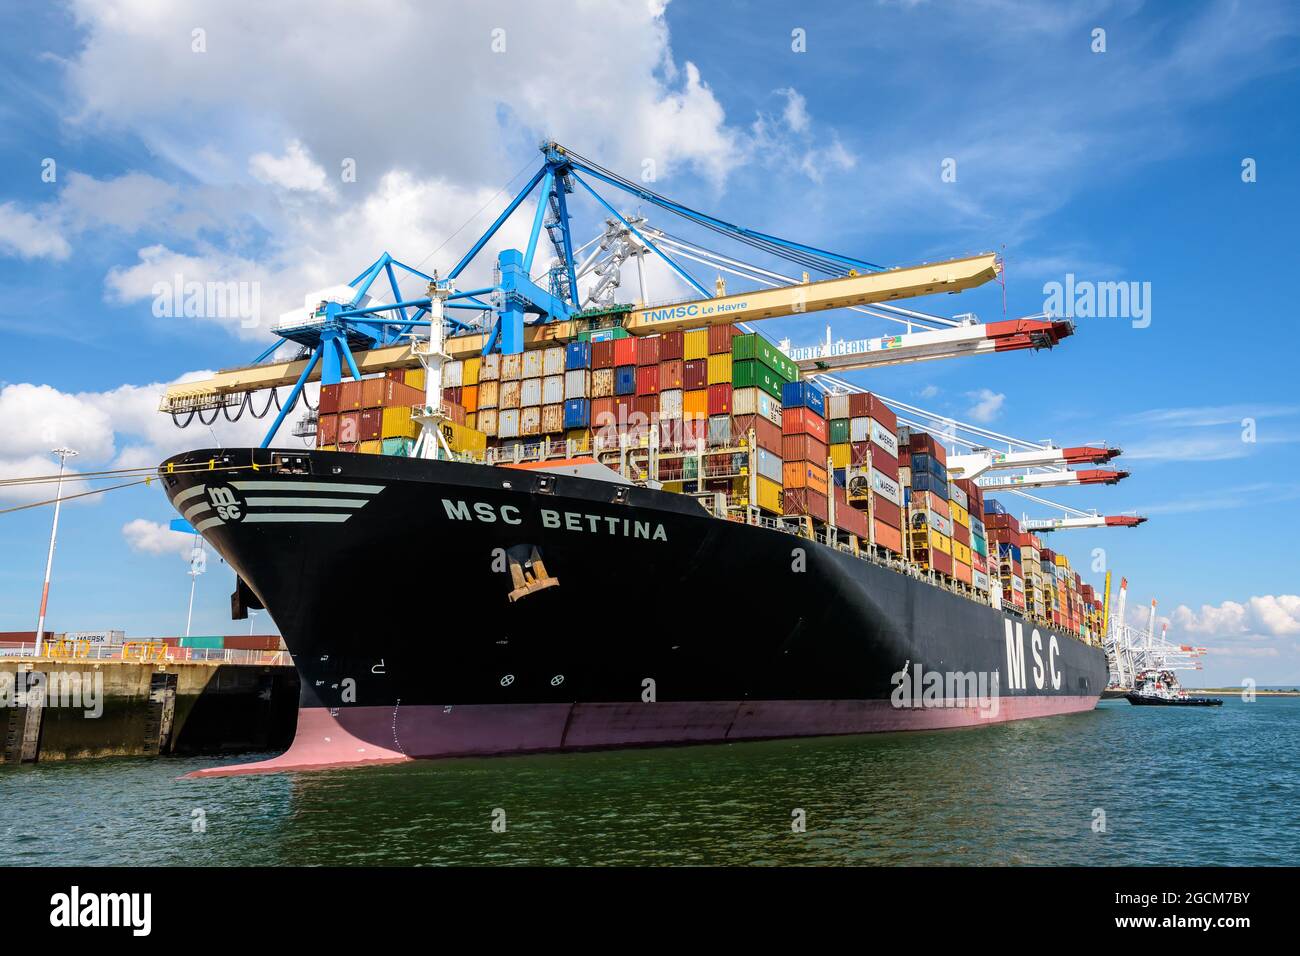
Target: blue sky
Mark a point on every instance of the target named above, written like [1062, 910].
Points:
[1122, 165]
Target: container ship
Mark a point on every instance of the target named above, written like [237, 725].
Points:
[623, 526]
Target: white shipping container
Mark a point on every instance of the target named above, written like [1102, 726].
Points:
[769, 465]
[957, 495]
[530, 420]
[886, 487]
[532, 367]
[577, 383]
[670, 404]
[452, 374]
[486, 422]
[553, 361]
[940, 523]
[980, 580]
[837, 406]
[553, 390]
[508, 423]
[886, 440]
[490, 368]
[511, 365]
[530, 392]
[602, 383]
[859, 429]
[744, 401]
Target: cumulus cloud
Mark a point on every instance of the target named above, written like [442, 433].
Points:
[150, 537]
[31, 235]
[295, 170]
[988, 404]
[1265, 616]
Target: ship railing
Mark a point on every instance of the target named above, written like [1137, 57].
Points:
[140, 651]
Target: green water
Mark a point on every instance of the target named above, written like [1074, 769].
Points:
[1214, 786]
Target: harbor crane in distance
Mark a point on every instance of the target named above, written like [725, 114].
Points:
[1074, 518]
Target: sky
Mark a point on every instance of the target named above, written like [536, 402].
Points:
[271, 145]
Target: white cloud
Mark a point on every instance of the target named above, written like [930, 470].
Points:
[31, 236]
[987, 405]
[796, 109]
[1265, 616]
[930, 391]
[294, 170]
[150, 537]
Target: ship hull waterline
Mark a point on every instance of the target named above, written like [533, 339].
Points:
[390, 578]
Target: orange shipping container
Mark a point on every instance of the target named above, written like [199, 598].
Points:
[349, 395]
[372, 392]
[804, 474]
[889, 538]
[695, 403]
[469, 398]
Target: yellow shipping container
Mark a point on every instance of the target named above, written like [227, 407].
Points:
[720, 369]
[469, 375]
[464, 439]
[471, 420]
[398, 423]
[1062, 561]
[960, 552]
[695, 402]
[840, 455]
[371, 448]
[940, 542]
[328, 448]
[769, 495]
[696, 345]
[414, 377]
[959, 516]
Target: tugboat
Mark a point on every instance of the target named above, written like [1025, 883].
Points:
[1161, 688]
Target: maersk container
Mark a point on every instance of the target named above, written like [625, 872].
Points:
[577, 355]
[754, 401]
[803, 395]
[625, 380]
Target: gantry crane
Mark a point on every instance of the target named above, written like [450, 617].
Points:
[1074, 517]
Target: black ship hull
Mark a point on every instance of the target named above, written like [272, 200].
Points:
[1144, 700]
[390, 579]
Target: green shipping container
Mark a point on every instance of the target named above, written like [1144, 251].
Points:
[839, 431]
[754, 346]
[604, 335]
[399, 446]
[212, 643]
[752, 373]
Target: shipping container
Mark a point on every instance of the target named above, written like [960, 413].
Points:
[719, 399]
[349, 395]
[800, 420]
[398, 423]
[804, 501]
[671, 375]
[530, 395]
[552, 419]
[625, 379]
[670, 404]
[327, 430]
[371, 447]
[769, 465]
[486, 422]
[602, 383]
[803, 395]
[349, 428]
[624, 352]
[472, 371]
[577, 355]
[767, 434]
[671, 346]
[530, 420]
[720, 369]
[802, 446]
[756, 347]
[647, 380]
[577, 382]
[837, 406]
[838, 430]
[754, 401]
[577, 413]
[647, 350]
[328, 402]
[552, 390]
[508, 423]
[512, 367]
[695, 403]
[695, 373]
[720, 337]
[452, 374]
[533, 362]
[400, 447]
[754, 374]
[888, 537]
[719, 435]
[804, 474]
[695, 344]
[552, 361]
[602, 354]
[769, 495]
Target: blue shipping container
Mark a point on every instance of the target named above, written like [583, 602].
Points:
[803, 394]
[625, 380]
[926, 482]
[577, 413]
[993, 506]
[577, 355]
[928, 463]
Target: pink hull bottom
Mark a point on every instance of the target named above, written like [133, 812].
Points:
[364, 736]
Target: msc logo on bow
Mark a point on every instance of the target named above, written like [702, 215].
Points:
[227, 506]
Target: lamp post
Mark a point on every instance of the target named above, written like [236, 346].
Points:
[64, 454]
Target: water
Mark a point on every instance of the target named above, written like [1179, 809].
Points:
[1215, 786]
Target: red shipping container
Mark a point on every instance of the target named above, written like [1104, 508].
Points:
[926, 444]
[767, 433]
[881, 460]
[622, 409]
[329, 399]
[370, 424]
[647, 350]
[251, 642]
[720, 399]
[888, 512]
[327, 430]
[602, 354]
[804, 501]
[889, 538]
[720, 339]
[672, 346]
[602, 412]
[694, 431]
[797, 421]
[695, 373]
[941, 562]
[349, 395]
[804, 447]
[452, 394]
[960, 533]
[625, 351]
[647, 406]
[399, 393]
[670, 375]
[372, 392]
[352, 447]
[349, 429]
[647, 380]
[882, 413]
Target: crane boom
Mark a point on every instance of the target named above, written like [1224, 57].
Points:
[977, 463]
[1087, 521]
[949, 276]
[1051, 479]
